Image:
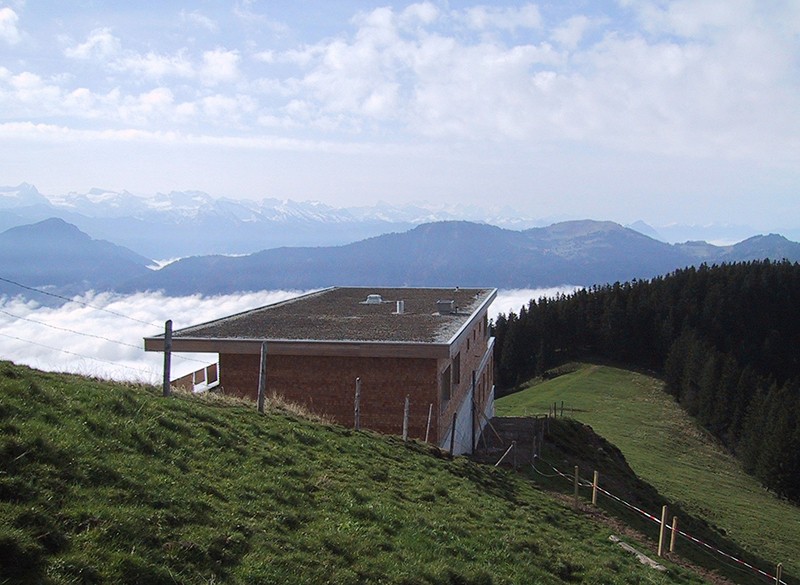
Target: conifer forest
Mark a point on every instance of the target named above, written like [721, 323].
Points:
[725, 339]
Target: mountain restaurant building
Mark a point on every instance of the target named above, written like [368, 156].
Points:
[431, 345]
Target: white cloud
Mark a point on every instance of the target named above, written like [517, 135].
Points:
[220, 66]
[503, 18]
[100, 44]
[144, 106]
[685, 79]
[422, 13]
[157, 66]
[512, 300]
[8, 26]
[571, 32]
[198, 19]
[223, 107]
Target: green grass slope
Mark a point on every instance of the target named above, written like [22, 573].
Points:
[107, 483]
[669, 451]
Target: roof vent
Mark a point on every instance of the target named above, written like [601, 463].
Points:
[446, 307]
[373, 300]
[401, 308]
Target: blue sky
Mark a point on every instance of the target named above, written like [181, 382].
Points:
[685, 111]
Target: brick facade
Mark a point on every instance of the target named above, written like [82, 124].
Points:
[326, 384]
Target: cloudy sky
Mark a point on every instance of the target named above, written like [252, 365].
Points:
[685, 111]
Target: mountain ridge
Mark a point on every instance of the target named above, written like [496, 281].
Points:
[192, 222]
[54, 253]
[460, 253]
[574, 253]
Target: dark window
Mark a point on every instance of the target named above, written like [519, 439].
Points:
[446, 384]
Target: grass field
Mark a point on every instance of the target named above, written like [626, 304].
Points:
[109, 483]
[668, 450]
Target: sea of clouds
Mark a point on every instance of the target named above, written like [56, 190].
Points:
[101, 335]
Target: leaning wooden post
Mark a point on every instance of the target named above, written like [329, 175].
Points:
[428, 426]
[662, 530]
[674, 535]
[357, 406]
[262, 377]
[405, 419]
[453, 434]
[595, 481]
[778, 573]
[167, 356]
[576, 487]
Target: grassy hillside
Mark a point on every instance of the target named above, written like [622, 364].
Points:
[107, 483]
[668, 450]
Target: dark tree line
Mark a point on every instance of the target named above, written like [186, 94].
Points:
[726, 340]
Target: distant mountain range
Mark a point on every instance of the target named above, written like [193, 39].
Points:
[455, 253]
[58, 256]
[190, 223]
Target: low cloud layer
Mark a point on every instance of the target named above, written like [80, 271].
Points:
[101, 335]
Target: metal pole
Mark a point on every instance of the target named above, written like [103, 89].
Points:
[262, 377]
[167, 356]
[428, 427]
[405, 419]
[453, 434]
[594, 487]
[472, 441]
[778, 573]
[357, 406]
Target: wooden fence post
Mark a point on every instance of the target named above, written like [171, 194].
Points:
[405, 419]
[262, 377]
[662, 530]
[674, 535]
[357, 406]
[428, 426]
[595, 481]
[576, 487]
[562, 409]
[167, 356]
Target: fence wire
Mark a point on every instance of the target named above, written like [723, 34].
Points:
[739, 564]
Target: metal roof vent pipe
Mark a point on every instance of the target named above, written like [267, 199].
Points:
[401, 307]
[446, 307]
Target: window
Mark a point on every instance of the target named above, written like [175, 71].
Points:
[446, 387]
[457, 369]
